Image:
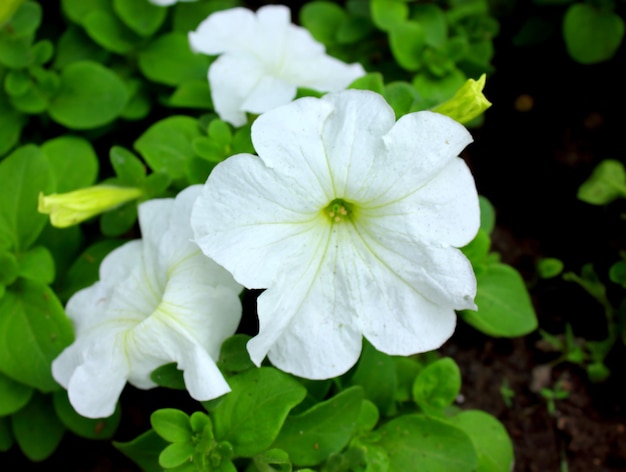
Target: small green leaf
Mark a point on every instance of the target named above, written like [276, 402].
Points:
[23, 174]
[437, 386]
[234, 356]
[176, 454]
[591, 35]
[84, 270]
[407, 40]
[325, 429]
[37, 264]
[388, 13]
[168, 376]
[141, 16]
[26, 19]
[323, 19]
[433, 20]
[504, 305]
[549, 267]
[73, 161]
[6, 434]
[130, 170]
[9, 268]
[119, 220]
[491, 441]
[436, 90]
[273, 460]
[436, 446]
[99, 428]
[252, 414]
[75, 46]
[373, 81]
[487, 214]
[167, 145]
[14, 395]
[78, 10]
[169, 60]
[402, 97]
[86, 104]
[144, 450]
[606, 183]
[33, 332]
[171, 424]
[37, 429]
[478, 248]
[109, 32]
[376, 374]
[11, 123]
[192, 94]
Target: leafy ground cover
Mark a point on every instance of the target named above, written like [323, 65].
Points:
[552, 122]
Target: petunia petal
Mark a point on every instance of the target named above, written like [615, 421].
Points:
[253, 221]
[97, 383]
[305, 320]
[232, 79]
[390, 312]
[322, 72]
[269, 92]
[215, 35]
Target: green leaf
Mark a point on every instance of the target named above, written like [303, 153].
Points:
[130, 170]
[168, 376]
[188, 15]
[273, 460]
[252, 414]
[109, 32]
[73, 161]
[99, 428]
[436, 90]
[478, 248]
[6, 434]
[144, 450]
[606, 183]
[323, 19]
[433, 21]
[491, 441]
[84, 271]
[37, 264]
[549, 267]
[323, 430]
[591, 35]
[376, 373]
[78, 10]
[11, 123]
[119, 220]
[74, 46]
[169, 60]
[33, 332]
[437, 386]
[388, 13]
[172, 425]
[141, 16]
[407, 40]
[504, 305]
[373, 81]
[23, 174]
[139, 102]
[176, 454]
[402, 97]
[26, 19]
[487, 214]
[86, 104]
[413, 441]
[234, 356]
[9, 268]
[167, 145]
[37, 429]
[192, 94]
[64, 245]
[14, 395]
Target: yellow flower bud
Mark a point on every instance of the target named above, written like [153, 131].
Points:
[71, 208]
[467, 103]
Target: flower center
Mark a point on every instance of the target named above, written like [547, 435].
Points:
[338, 210]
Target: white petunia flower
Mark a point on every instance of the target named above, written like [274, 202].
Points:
[167, 3]
[264, 59]
[352, 221]
[158, 300]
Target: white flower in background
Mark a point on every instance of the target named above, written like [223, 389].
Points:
[264, 59]
[158, 300]
[352, 222]
[167, 3]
